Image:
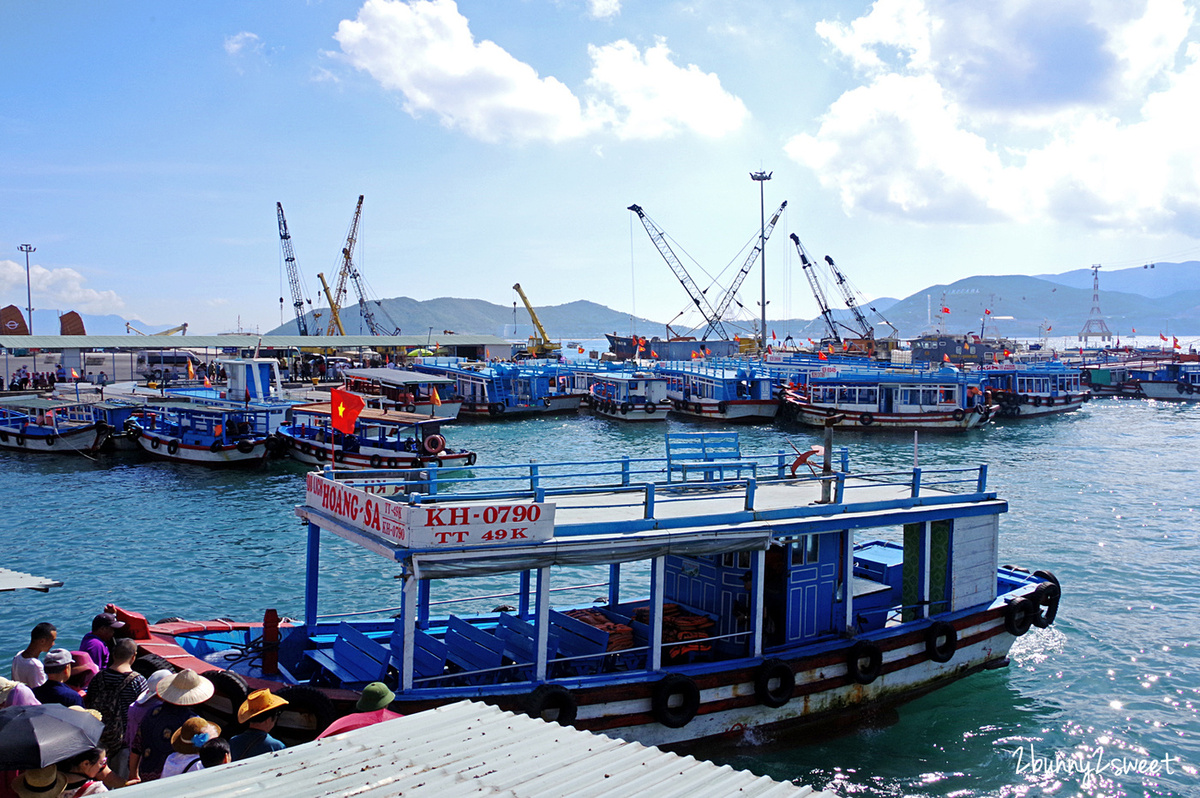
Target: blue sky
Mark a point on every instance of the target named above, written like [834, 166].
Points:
[145, 144]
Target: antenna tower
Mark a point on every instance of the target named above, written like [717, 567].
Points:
[1095, 326]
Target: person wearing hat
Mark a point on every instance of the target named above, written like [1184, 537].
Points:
[83, 670]
[44, 782]
[187, 741]
[180, 695]
[16, 694]
[98, 641]
[58, 670]
[372, 708]
[260, 712]
[85, 772]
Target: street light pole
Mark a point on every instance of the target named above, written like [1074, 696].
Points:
[26, 248]
[760, 178]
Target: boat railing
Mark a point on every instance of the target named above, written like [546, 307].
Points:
[460, 600]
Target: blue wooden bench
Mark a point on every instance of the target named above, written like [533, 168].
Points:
[579, 639]
[709, 452]
[520, 643]
[355, 659]
[429, 653]
[470, 649]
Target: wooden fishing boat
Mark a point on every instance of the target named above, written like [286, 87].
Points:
[34, 424]
[717, 393]
[946, 400]
[381, 439]
[186, 433]
[1034, 390]
[507, 390]
[636, 396]
[400, 389]
[764, 601]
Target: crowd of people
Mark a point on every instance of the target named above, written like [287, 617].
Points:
[152, 727]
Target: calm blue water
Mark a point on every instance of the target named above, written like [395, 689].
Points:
[1105, 498]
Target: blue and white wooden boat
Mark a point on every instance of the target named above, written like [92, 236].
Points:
[717, 393]
[637, 396]
[381, 439]
[1016, 390]
[33, 424]
[252, 384]
[753, 601]
[1177, 381]
[508, 390]
[400, 389]
[208, 436]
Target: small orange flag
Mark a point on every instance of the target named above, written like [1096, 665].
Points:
[207, 384]
[75, 374]
[191, 371]
[433, 394]
[946, 358]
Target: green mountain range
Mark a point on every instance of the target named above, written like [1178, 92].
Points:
[1157, 298]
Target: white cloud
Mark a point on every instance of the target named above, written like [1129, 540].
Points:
[245, 40]
[1080, 111]
[62, 289]
[603, 9]
[425, 50]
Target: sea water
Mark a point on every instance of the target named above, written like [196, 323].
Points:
[1103, 703]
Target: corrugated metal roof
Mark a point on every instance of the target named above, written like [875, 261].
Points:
[15, 580]
[471, 749]
[57, 342]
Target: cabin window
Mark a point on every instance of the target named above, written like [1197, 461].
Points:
[806, 550]
[736, 559]
[946, 396]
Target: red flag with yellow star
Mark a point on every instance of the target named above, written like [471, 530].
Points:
[344, 409]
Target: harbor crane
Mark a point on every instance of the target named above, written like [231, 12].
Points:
[539, 345]
[731, 294]
[335, 320]
[289, 259]
[697, 296]
[338, 299]
[865, 330]
[809, 268]
[181, 329]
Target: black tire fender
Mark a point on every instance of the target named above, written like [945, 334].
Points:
[1047, 595]
[675, 700]
[868, 671]
[1019, 615]
[19, 440]
[155, 443]
[230, 686]
[376, 461]
[722, 407]
[470, 458]
[50, 439]
[941, 641]
[774, 682]
[410, 408]
[552, 703]
[650, 408]
[215, 446]
[866, 419]
[245, 446]
[147, 664]
[172, 447]
[959, 415]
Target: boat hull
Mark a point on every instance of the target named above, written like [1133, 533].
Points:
[558, 403]
[1168, 391]
[47, 440]
[746, 411]
[163, 447]
[1011, 406]
[318, 453]
[951, 421]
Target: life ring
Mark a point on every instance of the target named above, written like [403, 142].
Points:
[434, 444]
[245, 446]
[50, 439]
[215, 446]
[675, 700]
[154, 443]
[866, 419]
[959, 415]
[552, 703]
[172, 447]
[376, 461]
[650, 408]
[774, 682]
[1019, 615]
[19, 440]
[941, 640]
[410, 408]
[495, 408]
[470, 458]
[864, 673]
[1037, 401]
[625, 408]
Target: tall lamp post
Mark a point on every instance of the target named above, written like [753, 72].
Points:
[26, 248]
[760, 178]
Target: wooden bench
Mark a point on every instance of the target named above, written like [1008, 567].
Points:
[710, 452]
[355, 659]
[429, 653]
[579, 639]
[472, 649]
[520, 643]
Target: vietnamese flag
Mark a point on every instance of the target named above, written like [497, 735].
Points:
[946, 358]
[821, 356]
[344, 408]
[207, 384]
[75, 374]
[987, 312]
[1176, 342]
[695, 354]
[1160, 335]
[652, 353]
[945, 310]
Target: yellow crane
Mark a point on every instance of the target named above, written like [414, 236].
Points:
[182, 329]
[539, 345]
[336, 320]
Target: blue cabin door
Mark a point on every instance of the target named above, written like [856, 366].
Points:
[812, 586]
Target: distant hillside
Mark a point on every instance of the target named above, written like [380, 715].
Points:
[575, 320]
[1152, 279]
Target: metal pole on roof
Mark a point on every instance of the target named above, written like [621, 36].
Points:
[761, 178]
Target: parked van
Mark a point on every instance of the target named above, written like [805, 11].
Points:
[154, 364]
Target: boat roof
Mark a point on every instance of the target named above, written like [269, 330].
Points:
[16, 580]
[370, 415]
[580, 525]
[396, 376]
[39, 403]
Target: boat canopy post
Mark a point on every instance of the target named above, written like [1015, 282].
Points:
[311, 576]
[423, 602]
[658, 573]
[848, 581]
[409, 601]
[758, 573]
[614, 584]
[523, 600]
[923, 611]
[542, 621]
